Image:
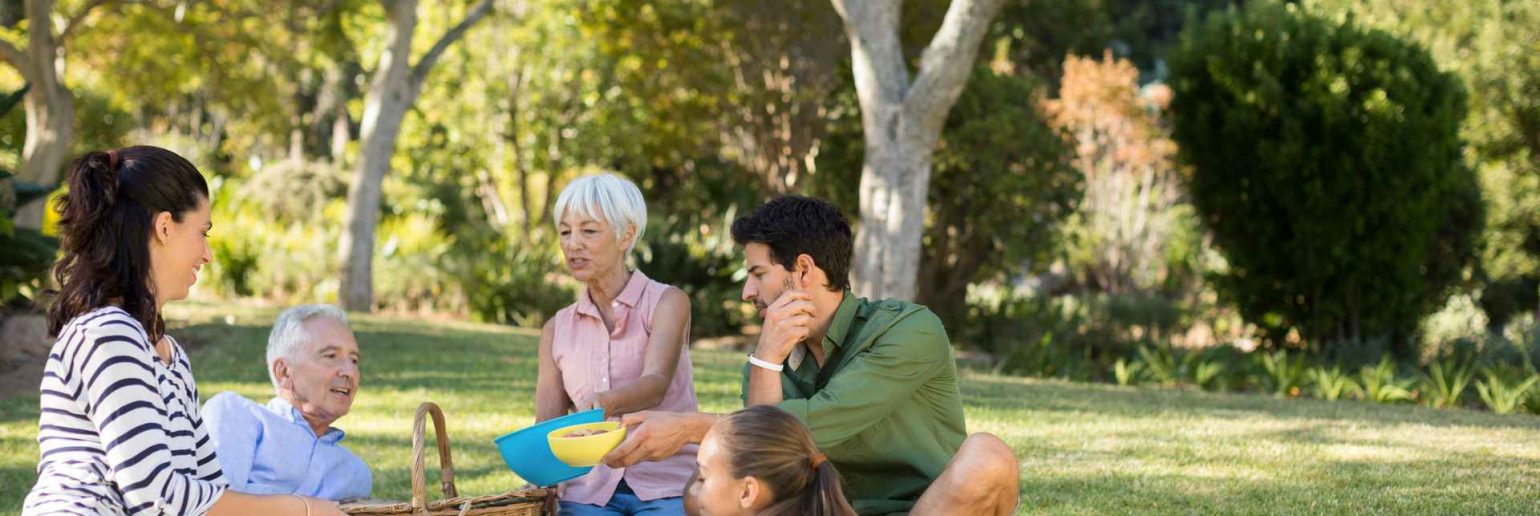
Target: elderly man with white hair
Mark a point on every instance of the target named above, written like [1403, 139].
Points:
[289, 446]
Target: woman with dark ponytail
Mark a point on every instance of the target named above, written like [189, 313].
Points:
[119, 430]
[762, 461]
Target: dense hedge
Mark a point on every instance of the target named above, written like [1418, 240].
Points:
[1326, 160]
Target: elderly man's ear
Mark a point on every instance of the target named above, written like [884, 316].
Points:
[282, 373]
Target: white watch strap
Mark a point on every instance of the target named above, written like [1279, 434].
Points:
[765, 365]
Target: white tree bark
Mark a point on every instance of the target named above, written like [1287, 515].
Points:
[395, 87]
[901, 122]
[49, 106]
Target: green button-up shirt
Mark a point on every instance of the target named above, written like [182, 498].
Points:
[885, 407]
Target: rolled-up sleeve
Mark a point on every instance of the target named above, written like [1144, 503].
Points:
[876, 382]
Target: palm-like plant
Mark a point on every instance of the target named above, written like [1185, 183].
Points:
[1284, 374]
[1380, 384]
[1447, 379]
[1331, 383]
[1505, 396]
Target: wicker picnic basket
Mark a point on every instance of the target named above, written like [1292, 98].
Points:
[527, 502]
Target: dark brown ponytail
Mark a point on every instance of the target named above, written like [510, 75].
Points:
[105, 224]
[773, 446]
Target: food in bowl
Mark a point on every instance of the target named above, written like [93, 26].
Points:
[585, 432]
[584, 445]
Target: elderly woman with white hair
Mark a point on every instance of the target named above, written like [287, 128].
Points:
[621, 347]
[289, 445]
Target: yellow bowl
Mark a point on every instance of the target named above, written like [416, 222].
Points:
[585, 451]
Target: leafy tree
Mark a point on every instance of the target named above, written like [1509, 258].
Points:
[1490, 44]
[1327, 162]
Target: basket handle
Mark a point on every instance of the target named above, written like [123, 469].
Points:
[446, 465]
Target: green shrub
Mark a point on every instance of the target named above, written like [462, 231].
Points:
[25, 254]
[1331, 383]
[1127, 372]
[512, 282]
[704, 263]
[235, 258]
[1160, 364]
[1326, 161]
[1532, 401]
[1224, 368]
[1505, 396]
[1283, 374]
[1001, 185]
[1380, 383]
[1208, 375]
[1446, 380]
[1086, 334]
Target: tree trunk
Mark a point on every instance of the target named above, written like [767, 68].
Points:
[901, 122]
[394, 88]
[49, 106]
[390, 95]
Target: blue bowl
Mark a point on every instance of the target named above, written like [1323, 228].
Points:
[528, 452]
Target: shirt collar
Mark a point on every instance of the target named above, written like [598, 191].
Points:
[288, 411]
[629, 296]
[844, 317]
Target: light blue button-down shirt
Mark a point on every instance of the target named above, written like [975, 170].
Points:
[272, 450]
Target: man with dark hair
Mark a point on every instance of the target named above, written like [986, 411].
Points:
[875, 381]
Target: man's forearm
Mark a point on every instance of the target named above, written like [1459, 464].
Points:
[764, 386]
[700, 424]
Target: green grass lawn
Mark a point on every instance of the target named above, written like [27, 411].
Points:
[1083, 448]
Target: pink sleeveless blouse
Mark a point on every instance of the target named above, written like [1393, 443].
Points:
[593, 359]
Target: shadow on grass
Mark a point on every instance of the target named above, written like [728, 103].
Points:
[994, 393]
[1503, 486]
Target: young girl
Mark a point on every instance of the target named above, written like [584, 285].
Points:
[762, 461]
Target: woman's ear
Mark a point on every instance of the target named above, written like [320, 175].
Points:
[630, 238]
[161, 227]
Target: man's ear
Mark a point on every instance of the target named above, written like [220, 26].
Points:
[802, 273]
[282, 372]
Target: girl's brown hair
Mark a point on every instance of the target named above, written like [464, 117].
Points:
[773, 446]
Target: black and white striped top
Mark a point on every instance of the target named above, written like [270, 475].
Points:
[119, 431]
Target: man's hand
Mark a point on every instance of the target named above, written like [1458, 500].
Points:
[788, 321]
[656, 435]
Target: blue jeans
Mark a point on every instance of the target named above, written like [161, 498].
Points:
[625, 503]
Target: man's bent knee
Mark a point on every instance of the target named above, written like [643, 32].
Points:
[989, 456]
[984, 463]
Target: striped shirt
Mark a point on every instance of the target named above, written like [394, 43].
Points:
[119, 430]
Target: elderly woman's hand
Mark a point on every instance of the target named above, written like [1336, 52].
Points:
[588, 402]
